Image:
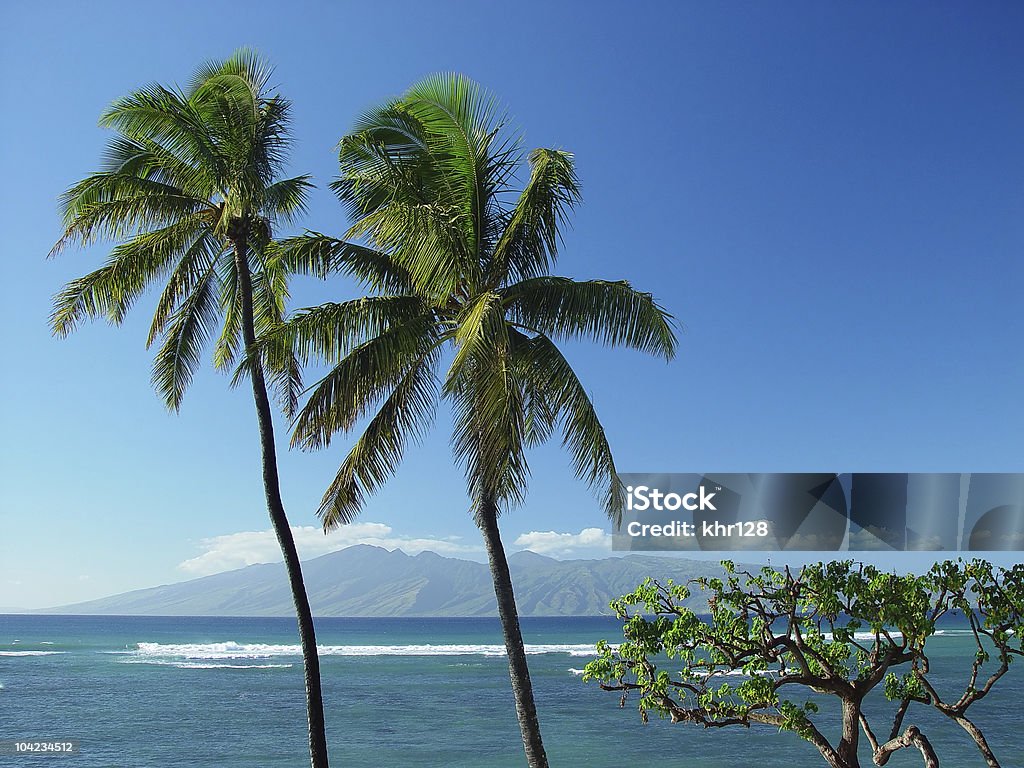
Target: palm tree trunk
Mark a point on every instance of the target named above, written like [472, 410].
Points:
[275, 506]
[522, 688]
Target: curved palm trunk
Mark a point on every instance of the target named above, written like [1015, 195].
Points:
[275, 506]
[522, 688]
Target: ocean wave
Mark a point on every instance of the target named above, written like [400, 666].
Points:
[233, 650]
[897, 635]
[30, 653]
[741, 673]
[576, 672]
[866, 635]
[204, 665]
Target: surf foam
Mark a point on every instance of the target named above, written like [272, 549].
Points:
[234, 650]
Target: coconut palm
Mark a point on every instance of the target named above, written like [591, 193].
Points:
[190, 190]
[460, 262]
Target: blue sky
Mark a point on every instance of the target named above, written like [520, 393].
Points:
[827, 196]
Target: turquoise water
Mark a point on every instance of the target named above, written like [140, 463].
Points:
[399, 692]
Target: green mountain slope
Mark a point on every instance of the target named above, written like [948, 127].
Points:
[370, 581]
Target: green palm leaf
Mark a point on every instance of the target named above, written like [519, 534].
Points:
[321, 256]
[405, 416]
[358, 382]
[564, 399]
[613, 313]
[529, 241]
[188, 330]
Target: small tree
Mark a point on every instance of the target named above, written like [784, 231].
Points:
[835, 629]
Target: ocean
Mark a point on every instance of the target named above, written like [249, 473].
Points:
[153, 691]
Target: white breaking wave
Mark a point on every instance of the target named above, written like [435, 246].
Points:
[576, 672]
[233, 650]
[30, 653]
[741, 673]
[206, 665]
[866, 635]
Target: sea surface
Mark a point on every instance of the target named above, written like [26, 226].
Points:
[228, 692]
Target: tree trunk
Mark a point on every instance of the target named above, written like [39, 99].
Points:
[522, 689]
[912, 737]
[275, 506]
[979, 738]
[847, 748]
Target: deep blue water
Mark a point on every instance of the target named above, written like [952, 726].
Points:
[399, 692]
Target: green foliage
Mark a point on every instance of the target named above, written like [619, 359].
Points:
[189, 175]
[834, 629]
[460, 261]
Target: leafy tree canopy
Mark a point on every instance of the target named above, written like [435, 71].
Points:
[792, 640]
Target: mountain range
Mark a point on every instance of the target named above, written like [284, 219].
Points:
[370, 581]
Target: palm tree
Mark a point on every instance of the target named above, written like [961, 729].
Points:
[458, 261]
[190, 188]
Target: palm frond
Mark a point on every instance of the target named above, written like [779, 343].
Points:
[189, 272]
[429, 164]
[116, 205]
[424, 242]
[244, 63]
[165, 118]
[270, 294]
[226, 348]
[459, 119]
[287, 198]
[612, 313]
[489, 436]
[133, 266]
[480, 332]
[285, 377]
[529, 242]
[563, 399]
[189, 329]
[390, 189]
[360, 380]
[144, 159]
[321, 256]
[403, 417]
[331, 331]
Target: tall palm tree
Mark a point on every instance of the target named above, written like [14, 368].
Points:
[458, 260]
[191, 189]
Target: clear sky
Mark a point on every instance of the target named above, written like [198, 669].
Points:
[828, 196]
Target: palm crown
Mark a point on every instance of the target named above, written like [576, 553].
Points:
[191, 177]
[458, 260]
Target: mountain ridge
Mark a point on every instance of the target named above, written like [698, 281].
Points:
[369, 581]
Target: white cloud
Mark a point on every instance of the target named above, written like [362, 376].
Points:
[564, 544]
[237, 550]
